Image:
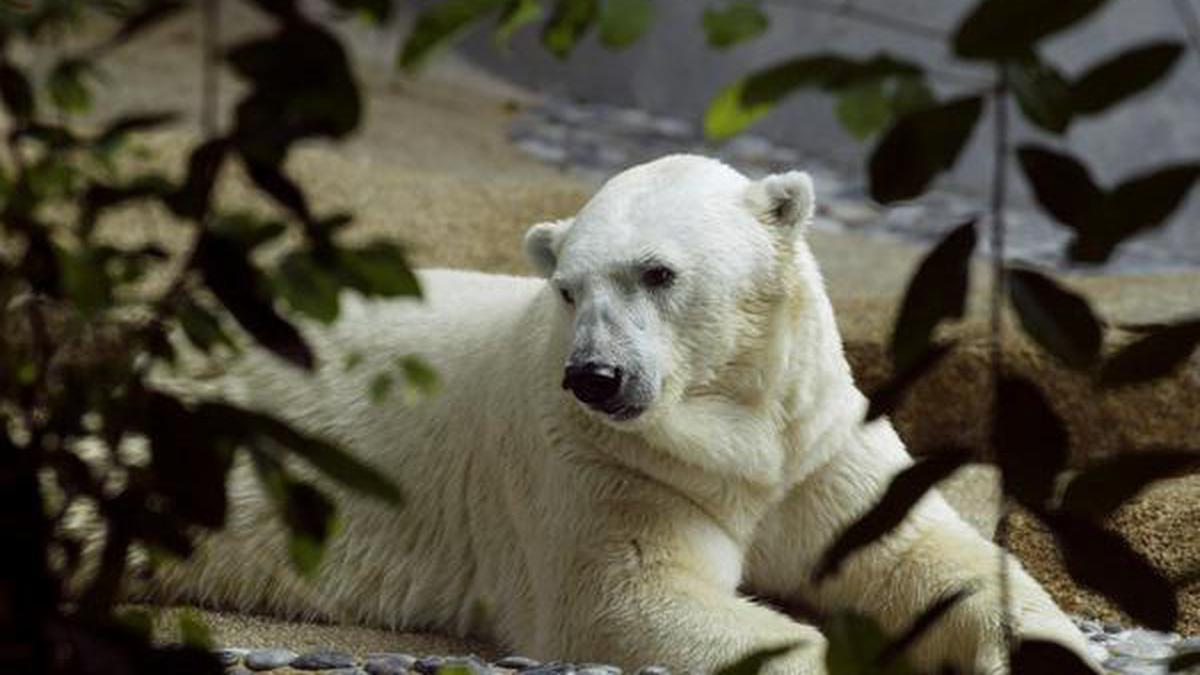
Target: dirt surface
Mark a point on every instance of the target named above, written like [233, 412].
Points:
[432, 168]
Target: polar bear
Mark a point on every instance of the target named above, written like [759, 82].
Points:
[618, 447]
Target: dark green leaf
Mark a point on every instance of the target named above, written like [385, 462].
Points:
[380, 387]
[864, 110]
[310, 519]
[326, 457]
[1042, 657]
[66, 87]
[189, 464]
[753, 663]
[151, 14]
[127, 124]
[307, 287]
[1062, 185]
[1136, 205]
[567, 24]
[240, 287]
[16, 93]
[937, 291]
[855, 645]
[919, 146]
[921, 625]
[246, 229]
[910, 93]
[1153, 356]
[1181, 663]
[622, 22]
[1004, 28]
[905, 490]
[204, 164]
[747, 100]
[377, 269]
[301, 86]
[1100, 489]
[201, 328]
[193, 631]
[85, 280]
[377, 11]
[1123, 76]
[889, 395]
[419, 376]
[441, 23]
[515, 15]
[735, 21]
[1030, 441]
[271, 179]
[1101, 560]
[1060, 320]
[1042, 93]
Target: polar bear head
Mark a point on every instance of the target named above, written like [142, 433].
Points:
[668, 277]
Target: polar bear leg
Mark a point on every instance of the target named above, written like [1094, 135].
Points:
[685, 623]
[932, 554]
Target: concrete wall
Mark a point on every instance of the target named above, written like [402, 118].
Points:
[672, 71]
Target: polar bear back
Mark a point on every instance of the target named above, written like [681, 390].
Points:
[479, 333]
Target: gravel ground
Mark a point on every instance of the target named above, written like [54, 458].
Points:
[1122, 650]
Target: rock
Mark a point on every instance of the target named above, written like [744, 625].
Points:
[229, 657]
[1125, 665]
[238, 670]
[514, 662]
[386, 666]
[551, 668]
[470, 665]
[598, 669]
[323, 660]
[269, 659]
[1142, 644]
[428, 665]
[1099, 653]
[654, 670]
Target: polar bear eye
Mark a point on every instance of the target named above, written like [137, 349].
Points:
[658, 277]
[566, 296]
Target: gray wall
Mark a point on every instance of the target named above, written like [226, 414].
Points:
[672, 71]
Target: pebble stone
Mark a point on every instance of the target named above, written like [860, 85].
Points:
[514, 662]
[428, 665]
[388, 664]
[472, 665]
[269, 659]
[229, 657]
[323, 660]
[1122, 651]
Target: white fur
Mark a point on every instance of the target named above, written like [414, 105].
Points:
[566, 535]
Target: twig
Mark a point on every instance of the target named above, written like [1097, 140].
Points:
[999, 194]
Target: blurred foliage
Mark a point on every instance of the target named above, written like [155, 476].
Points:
[84, 423]
[920, 135]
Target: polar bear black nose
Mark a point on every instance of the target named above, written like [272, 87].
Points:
[593, 383]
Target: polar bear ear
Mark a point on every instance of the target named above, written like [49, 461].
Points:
[785, 200]
[542, 242]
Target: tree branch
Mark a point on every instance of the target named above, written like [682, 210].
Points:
[996, 308]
